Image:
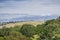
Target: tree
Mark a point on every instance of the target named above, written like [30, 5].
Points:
[1, 38]
[28, 30]
[14, 35]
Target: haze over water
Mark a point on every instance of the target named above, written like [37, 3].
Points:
[18, 10]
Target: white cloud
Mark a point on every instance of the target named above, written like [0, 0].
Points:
[42, 8]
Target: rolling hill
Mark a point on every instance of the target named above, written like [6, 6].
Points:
[21, 23]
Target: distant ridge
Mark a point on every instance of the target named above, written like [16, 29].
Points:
[28, 17]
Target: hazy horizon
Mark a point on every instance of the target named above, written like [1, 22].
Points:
[11, 10]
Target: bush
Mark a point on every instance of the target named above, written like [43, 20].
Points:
[28, 30]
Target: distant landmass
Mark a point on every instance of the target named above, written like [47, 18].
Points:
[27, 18]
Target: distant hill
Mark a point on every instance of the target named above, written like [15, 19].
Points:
[27, 18]
[20, 23]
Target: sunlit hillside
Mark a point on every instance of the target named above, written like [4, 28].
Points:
[21, 23]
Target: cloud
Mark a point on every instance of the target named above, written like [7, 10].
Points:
[30, 7]
[10, 16]
[11, 0]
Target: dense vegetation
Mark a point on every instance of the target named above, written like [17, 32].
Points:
[50, 30]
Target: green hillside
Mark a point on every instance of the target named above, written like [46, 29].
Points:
[49, 30]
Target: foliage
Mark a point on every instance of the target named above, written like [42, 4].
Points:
[28, 30]
[50, 30]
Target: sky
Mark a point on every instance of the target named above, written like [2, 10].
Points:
[19, 8]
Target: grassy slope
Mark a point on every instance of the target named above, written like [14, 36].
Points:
[21, 23]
